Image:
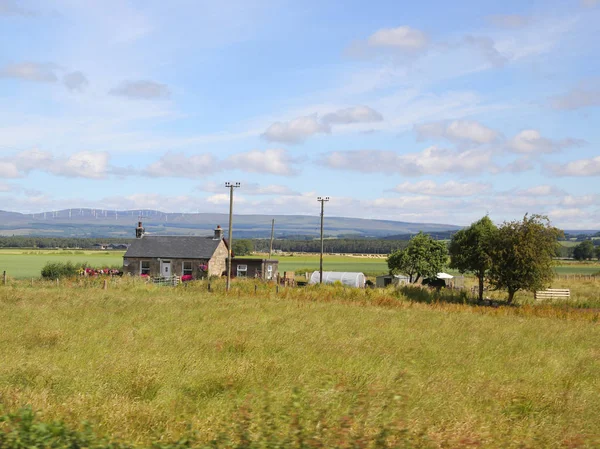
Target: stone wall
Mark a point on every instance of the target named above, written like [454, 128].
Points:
[218, 262]
[133, 267]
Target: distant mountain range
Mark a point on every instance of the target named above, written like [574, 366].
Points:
[111, 223]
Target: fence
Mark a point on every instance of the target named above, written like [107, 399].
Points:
[578, 277]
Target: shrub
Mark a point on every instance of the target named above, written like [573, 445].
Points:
[55, 270]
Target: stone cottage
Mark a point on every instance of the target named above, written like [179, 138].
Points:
[167, 256]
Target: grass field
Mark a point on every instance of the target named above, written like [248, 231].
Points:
[24, 264]
[142, 362]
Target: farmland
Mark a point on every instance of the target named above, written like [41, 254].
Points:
[22, 264]
[142, 362]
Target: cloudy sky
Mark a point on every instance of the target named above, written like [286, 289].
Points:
[411, 111]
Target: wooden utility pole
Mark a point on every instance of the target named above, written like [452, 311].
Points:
[272, 234]
[230, 186]
[322, 200]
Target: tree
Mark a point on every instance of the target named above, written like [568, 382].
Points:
[584, 251]
[522, 255]
[242, 247]
[424, 257]
[470, 250]
[598, 252]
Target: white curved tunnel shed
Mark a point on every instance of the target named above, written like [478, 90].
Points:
[347, 278]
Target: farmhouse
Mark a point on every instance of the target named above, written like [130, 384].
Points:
[176, 255]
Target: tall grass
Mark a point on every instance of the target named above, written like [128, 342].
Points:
[142, 363]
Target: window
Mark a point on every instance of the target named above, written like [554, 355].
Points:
[242, 270]
[187, 269]
[269, 271]
[145, 267]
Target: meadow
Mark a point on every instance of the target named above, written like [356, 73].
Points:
[143, 363]
[26, 264]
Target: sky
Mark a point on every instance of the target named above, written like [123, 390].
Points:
[428, 111]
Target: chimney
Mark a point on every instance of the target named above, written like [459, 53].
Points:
[139, 231]
[218, 233]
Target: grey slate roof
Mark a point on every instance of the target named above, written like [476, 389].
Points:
[180, 247]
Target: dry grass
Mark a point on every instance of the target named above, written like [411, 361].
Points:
[143, 362]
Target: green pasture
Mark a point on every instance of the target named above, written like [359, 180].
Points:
[21, 264]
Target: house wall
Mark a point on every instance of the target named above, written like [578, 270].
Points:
[217, 264]
[133, 267]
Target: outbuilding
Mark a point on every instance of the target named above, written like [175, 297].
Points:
[265, 269]
[351, 279]
[391, 279]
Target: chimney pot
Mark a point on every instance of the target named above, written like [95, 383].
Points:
[218, 233]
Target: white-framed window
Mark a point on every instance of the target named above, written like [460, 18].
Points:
[242, 270]
[187, 269]
[145, 267]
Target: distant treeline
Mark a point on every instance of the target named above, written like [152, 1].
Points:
[56, 242]
[356, 246]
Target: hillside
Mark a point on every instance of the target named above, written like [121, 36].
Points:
[110, 223]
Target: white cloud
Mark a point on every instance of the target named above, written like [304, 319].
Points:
[251, 189]
[537, 191]
[580, 201]
[403, 38]
[581, 167]
[75, 81]
[30, 71]
[357, 114]
[530, 141]
[486, 47]
[584, 96]
[273, 161]
[449, 188]
[298, 130]
[175, 164]
[432, 160]
[295, 131]
[141, 89]
[223, 199]
[9, 170]
[85, 164]
[590, 3]
[457, 131]
[509, 20]
[10, 8]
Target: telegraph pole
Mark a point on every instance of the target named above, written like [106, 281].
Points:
[272, 234]
[322, 200]
[230, 186]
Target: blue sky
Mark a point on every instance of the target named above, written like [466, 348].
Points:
[412, 111]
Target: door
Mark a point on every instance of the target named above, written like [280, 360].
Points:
[165, 268]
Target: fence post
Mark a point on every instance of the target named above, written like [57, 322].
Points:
[105, 287]
[209, 286]
[4, 277]
[57, 282]
[255, 289]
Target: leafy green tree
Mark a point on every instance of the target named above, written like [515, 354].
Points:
[522, 255]
[598, 252]
[470, 250]
[584, 251]
[242, 247]
[424, 257]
